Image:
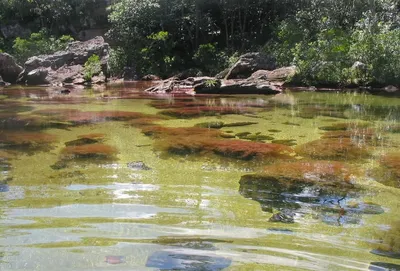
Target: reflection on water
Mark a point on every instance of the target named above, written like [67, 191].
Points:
[114, 178]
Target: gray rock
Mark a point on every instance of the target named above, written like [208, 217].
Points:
[66, 67]
[281, 74]
[37, 77]
[151, 77]
[9, 69]
[249, 63]
[391, 89]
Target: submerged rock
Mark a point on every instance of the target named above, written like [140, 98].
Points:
[115, 259]
[293, 190]
[186, 260]
[139, 165]
[380, 266]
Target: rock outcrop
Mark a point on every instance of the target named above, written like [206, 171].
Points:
[9, 69]
[249, 63]
[260, 82]
[64, 67]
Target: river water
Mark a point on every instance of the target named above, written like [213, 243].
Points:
[116, 179]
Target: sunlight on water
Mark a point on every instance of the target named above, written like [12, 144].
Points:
[116, 179]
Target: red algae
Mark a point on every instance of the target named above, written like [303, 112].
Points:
[177, 104]
[333, 148]
[367, 134]
[210, 141]
[88, 151]
[101, 116]
[344, 126]
[26, 138]
[181, 132]
[247, 150]
[93, 136]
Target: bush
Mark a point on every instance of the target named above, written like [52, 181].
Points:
[210, 61]
[37, 44]
[116, 62]
[92, 67]
[379, 51]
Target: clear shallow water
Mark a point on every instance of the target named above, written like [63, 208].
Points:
[113, 179]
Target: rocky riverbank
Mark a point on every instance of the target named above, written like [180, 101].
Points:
[59, 69]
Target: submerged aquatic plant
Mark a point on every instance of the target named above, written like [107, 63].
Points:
[333, 148]
[192, 112]
[211, 141]
[22, 138]
[89, 151]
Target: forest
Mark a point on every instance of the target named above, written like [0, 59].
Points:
[331, 42]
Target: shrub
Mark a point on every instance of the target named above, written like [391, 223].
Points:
[37, 44]
[92, 67]
[117, 61]
[209, 60]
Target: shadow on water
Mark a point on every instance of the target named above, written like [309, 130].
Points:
[293, 199]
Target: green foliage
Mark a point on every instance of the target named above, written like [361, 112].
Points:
[38, 43]
[325, 38]
[116, 62]
[156, 56]
[92, 67]
[380, 52]
[211, 83]
[2, 45]
[211, 60]
[55, 15]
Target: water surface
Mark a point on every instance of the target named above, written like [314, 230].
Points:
[116, 179]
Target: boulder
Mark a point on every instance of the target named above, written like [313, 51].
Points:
[151, 77]
[2, 83]
[37, 77]
[247, 86]
[249, 63]
[281, 74]
[391, 89]
[9, 69]
[65, 67]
